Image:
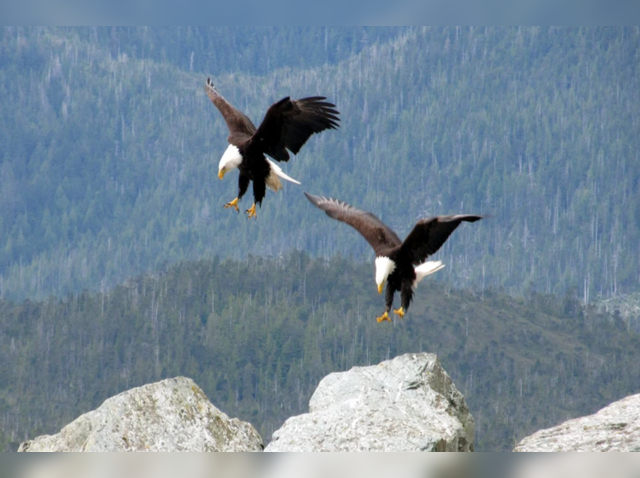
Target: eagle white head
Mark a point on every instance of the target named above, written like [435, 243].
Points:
[384, 267]
[231, 159]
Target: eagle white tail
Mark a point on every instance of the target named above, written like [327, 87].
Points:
[426, 268]
[276, 171]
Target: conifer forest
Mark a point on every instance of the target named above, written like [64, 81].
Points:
[119, 265]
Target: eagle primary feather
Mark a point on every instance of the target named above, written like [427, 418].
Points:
[378, 234]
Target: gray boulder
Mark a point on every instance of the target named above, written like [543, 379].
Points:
[405, 404]
[171, 415]
[614, 428]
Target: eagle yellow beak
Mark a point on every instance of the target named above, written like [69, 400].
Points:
[380, 288]
[221, 173]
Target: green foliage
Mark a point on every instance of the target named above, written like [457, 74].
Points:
[108, 158]
[259, 335]
[109, 149]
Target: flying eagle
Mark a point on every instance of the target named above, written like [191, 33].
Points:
[400, 264]
[287, 125]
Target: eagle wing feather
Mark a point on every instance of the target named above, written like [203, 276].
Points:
[429, 234]
[377, 234]
[288, 124]
[240, 126]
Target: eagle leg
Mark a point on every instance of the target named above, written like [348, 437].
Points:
[251, 211]
[384, 317]
[233, 203]
[399, 312]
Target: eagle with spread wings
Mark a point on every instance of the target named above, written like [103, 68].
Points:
[287, 126]
[399, 264]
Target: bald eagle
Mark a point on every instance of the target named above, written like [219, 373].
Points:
[399, 264]
[287, 125]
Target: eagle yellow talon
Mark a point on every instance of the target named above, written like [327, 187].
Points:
[384, 317]
[399, 312]
[251, 211]
[233, 203]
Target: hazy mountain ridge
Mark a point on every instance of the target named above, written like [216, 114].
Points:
[535, 126]
[223, 50]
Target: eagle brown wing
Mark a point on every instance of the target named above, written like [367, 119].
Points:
[428, 235]
[378, 234]
[240, 126]
[288, 125]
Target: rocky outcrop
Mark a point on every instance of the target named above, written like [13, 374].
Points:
[614, 428]
[171, 415]
[405, 404]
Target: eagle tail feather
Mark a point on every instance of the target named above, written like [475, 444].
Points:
[277, 170]
[425, 269]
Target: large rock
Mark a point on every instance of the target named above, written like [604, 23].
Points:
[171, 415]
[614, 428]
[405, 404]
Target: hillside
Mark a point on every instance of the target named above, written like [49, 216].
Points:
[109, 150]
[258, 335]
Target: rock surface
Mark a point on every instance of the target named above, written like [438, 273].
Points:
[405, 404]
[171, 415]
[614, 428]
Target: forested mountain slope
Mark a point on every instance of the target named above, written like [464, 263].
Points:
[109, 150]
[219, 50]
[258, 335]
